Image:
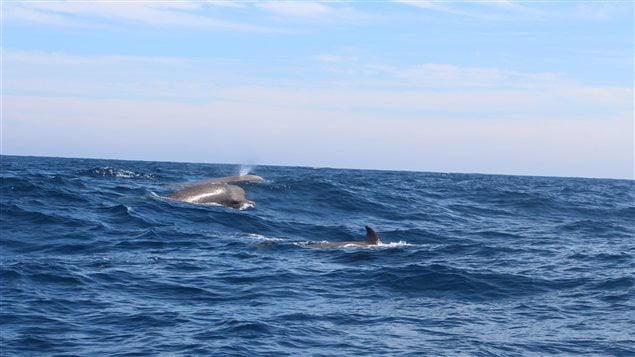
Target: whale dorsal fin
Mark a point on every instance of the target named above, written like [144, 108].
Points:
[371, 237]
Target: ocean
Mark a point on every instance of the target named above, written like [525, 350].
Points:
[94, 260]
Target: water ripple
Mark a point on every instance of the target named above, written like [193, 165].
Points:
[94, 262]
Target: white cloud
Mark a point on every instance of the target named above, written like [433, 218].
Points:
[471, 118]
[432, 75]
[329, 58]
[26, 68]
[82, 13]
[566, 103]
[124, 76]
[602, 10]
[59, 58]
[441, 6]
[191, 14]
[226, 3]
[295, 8]
[112, 76]
[31, 14]
[522, 10]
[271, 132]
[484, 9]
[447, 75]
[425, 4]
[315, 11]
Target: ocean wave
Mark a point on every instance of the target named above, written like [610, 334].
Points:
[93, 260]
[16, 185]
[436, 279]
[258, 237]
[381, 245]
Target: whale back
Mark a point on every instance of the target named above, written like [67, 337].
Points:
[223, 194]
[222, 180]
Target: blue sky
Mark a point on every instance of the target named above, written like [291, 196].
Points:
[509, 87]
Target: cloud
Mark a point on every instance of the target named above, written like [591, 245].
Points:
[490, 9]
[84, 13]
[471, 118]
[274, 131]
[292, 8]
[329, 58]
[190, 14]
[344, 67]
[602, 10]
[403, 88]
[225, 3]
[316, 11]
[505, 10]
[111, 76]
[447, 75]
[59, 58]
[574, 103]
[31, 14]
[432, 75]
[443, 6]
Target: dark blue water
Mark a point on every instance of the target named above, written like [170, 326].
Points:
[93, 261]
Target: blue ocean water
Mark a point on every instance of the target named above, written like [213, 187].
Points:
[94, 261]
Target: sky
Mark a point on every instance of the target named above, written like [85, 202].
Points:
[540, 88]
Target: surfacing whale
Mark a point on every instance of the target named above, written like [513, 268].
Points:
[216, 191]
[227, 179]
[371, 239]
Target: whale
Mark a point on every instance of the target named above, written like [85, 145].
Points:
[371, 239]
[216, 191]
[226, 179]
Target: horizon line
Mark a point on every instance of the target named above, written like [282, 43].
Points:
[321, 167]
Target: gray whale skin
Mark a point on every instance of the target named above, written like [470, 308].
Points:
[216, 191]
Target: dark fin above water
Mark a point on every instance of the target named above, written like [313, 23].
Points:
[371, 237]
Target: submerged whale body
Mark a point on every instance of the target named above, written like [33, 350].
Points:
[372, 238]
[216, 191]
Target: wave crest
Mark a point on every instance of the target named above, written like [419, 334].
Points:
[108, 171]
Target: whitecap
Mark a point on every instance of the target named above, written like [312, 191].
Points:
[108, 171]
[125, 173]
[246, 205]
[395, 244]
[259, 237]
[400, 244]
